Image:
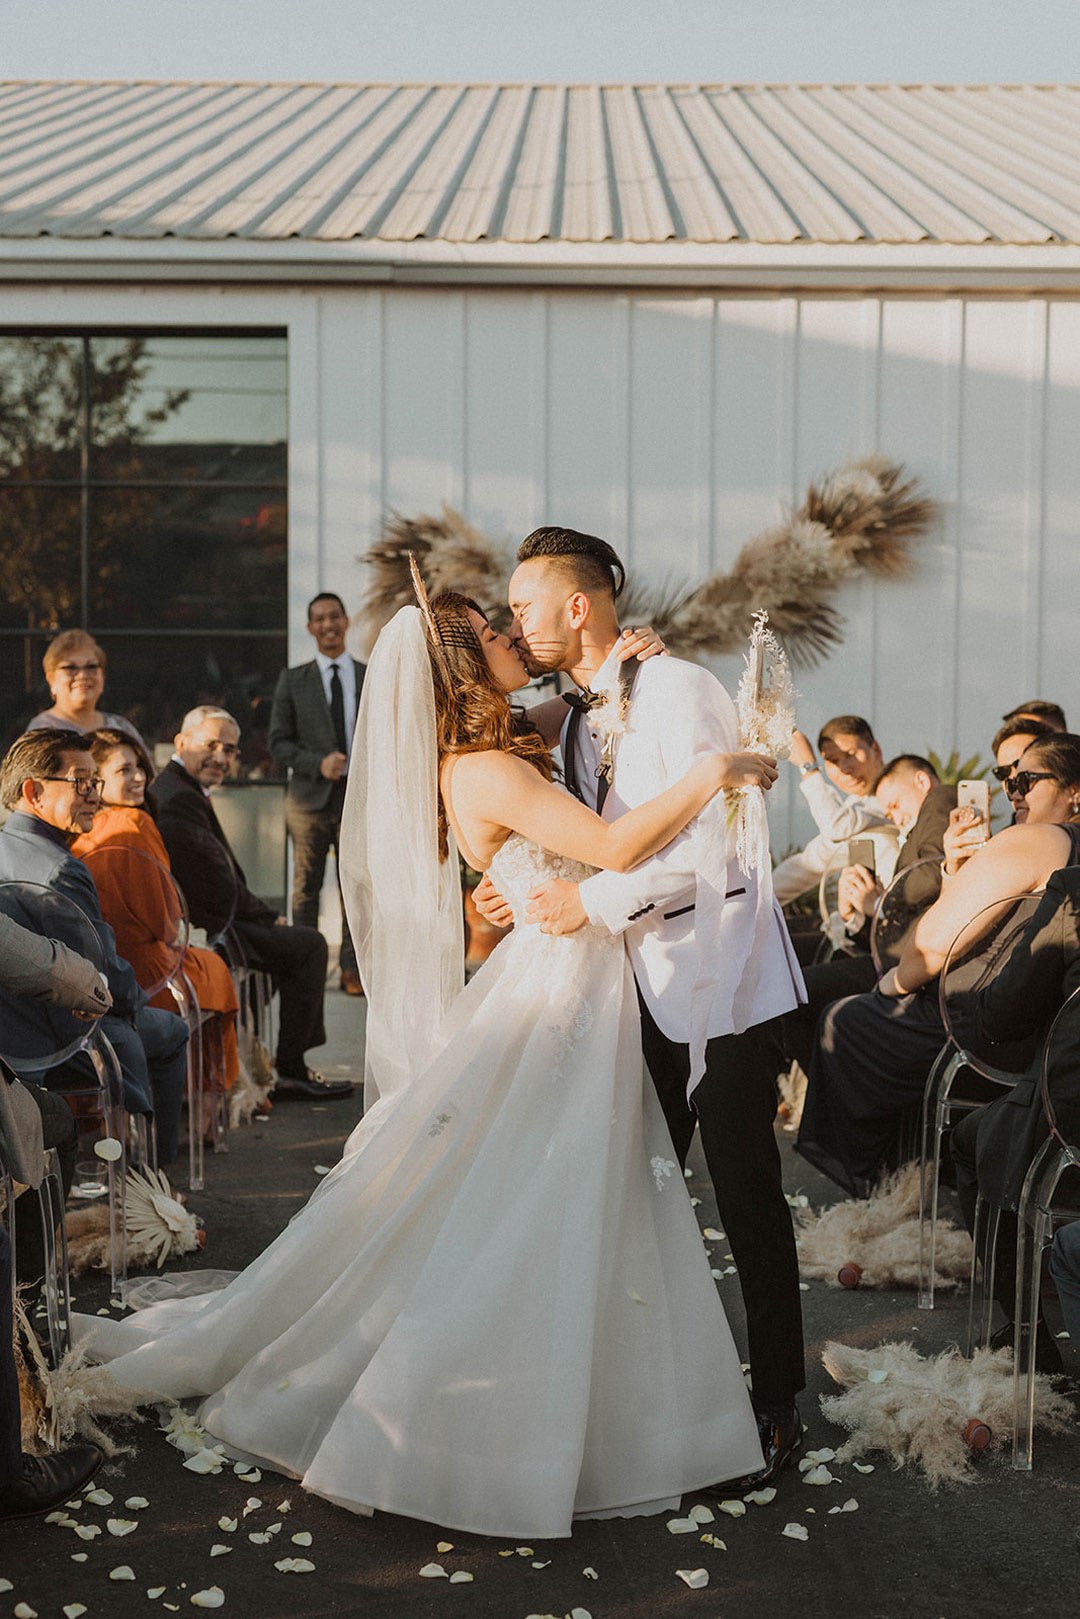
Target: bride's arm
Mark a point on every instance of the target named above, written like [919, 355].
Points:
[495, 792]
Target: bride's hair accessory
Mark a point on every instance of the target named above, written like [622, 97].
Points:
[420, 592]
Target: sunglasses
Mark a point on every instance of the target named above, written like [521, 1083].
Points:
[1020, 785]
[85, 786]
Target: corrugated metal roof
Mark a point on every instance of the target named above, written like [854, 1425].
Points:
[535, 163]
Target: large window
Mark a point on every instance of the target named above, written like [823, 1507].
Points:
[143, 497]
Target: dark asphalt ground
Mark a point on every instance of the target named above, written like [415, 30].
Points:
[1006, 1545]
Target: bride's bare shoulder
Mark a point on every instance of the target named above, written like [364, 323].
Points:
[478, 771]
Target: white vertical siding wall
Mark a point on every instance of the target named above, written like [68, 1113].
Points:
[679, 426]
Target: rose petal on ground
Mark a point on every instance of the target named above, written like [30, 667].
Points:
[820, 1475]
[74, 1610]
[219, 1550]
[203, 1461]
[433, 1571]
[824, 1455]
[796, 1531]
[253, 1476]
[76, 1557]
[87, 1531]
[303, 1538]
[702, 1514]
[580, 1613]
[850, 1505]
[252, 1504]
[590, 1574]
[863, 1467]
[23, 1610]
[681, 1526]
[258, 1538]
[136, 1503]
[712, 1235]
[695, 1578]
[120, 1526]
[734, 1509]
[524, 1551]
[108, 1148]
[878, 1375]
[761, 1498]
[155, 1591]
[461, 1576]
[716, 1274]
[295, 1565]
[228, 1524]
[283, 1506]
[543, 1565]
[804, 1287]
[100, 1498]
[443, 1545]
[273, 1529]
[322, 1169]
[122, 1573]
[212, 1597]
[715, 1542]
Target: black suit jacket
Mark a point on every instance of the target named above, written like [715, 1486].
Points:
[302, 732]
[202, 862]
[1024, 998]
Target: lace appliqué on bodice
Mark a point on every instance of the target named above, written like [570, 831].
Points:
[520, 866]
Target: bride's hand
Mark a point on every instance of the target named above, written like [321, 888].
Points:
[490, 903]
[641, 643]
[737, 770]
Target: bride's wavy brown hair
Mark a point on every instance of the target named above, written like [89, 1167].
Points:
[472, 713]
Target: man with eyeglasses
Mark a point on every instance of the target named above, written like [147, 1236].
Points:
[50, 785]
[218, 896]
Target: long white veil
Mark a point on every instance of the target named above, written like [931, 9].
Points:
[403, 903]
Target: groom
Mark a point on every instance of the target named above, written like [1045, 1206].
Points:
[563, 596]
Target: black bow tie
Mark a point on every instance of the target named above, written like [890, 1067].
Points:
[585, 699]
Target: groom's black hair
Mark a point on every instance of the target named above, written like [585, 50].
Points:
[594, 563]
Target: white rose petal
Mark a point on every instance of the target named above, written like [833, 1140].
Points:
[878, 1375]
[730, 1270]
[283, 1506]
[539, 1565]
[100, 1498]
[303, 1538]
[213, 1597]
[120, 1526]
[712, 1235]
[433, 1571]
[825, 1455]
[219, 1550]
[60, 1517]
[228, 1524]
[804, 1287]
[850, 1505]
[203, 1461]
[258, 1538]
[155, 1591]
[796, 1531]
[863, 1467]
[524, 1551]
[716, 1274]
[761, 1498]
[108, 1149]
[580, 1613]
[253, 1476]
[702, 1514]
[76, 1557]
[122, 1573]
[820, 1475]
[695, 1578]
[74, 1610]
[23, 1610]
[135, 1503]
[87, 1531]
[590, 1574]
[273, 1529]
[443, 1546]
[682, 1526]
[322, 1169]
[734, 1509]
[252, 1504]
[295, 1565]
[463, 1577]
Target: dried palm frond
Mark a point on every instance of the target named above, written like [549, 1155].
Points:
[858, 520]
[59, 1406]
[255, 1078]
[157, 1224]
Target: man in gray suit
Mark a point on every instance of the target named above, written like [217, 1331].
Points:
[311, 729]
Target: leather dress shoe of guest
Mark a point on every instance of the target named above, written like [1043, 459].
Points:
[312, 1084]
[350, 982]
[48, 1480]
[1047, 1354]
[781, 1436]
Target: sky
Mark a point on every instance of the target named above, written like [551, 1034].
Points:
[713, 41]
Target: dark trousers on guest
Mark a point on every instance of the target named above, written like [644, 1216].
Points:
[735, 1108]
[57, 1130]
[963, 1143]
[152, 1053]
[11, 1460]
[826, 981]
[295, 958]
[314, 833]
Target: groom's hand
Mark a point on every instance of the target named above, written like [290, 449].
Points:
[490, 903]
[557, 907]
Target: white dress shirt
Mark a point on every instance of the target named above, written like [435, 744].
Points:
[347, 673]
[839, 819]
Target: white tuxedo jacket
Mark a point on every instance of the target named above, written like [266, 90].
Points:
[677, 712]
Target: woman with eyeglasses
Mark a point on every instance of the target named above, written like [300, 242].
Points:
[74, 667]
[874, 1051]
[135, 898]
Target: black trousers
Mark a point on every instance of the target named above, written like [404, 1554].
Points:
[735, 1108]
[11, 1460]
[296, 960]
[826, 981]
[963, 1143]
[314, 833]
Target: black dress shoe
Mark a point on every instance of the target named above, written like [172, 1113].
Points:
[781, 1441]
[1047, 1354]
[48, 1480]
[312, 1084]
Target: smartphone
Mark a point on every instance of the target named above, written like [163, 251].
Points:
[860, 852]
[977, 794]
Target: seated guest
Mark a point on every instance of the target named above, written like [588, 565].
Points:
[874, 1051]
[843, 807]
[133, 898]
[217, 894]
[919, 806]
[36, 968]
[1065, 1270]
[1049, 714]
[74, 667]
[993, 1147]
[49, 782]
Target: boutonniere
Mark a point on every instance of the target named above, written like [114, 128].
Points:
[607, 719]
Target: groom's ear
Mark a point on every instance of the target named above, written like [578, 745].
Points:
[578, 608]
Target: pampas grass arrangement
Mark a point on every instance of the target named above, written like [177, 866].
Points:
[255, 1079]
[59, 1406]
[922, 1412]
[858, 521]
[879, 1236]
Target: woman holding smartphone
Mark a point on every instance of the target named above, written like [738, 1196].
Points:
[874, 1051]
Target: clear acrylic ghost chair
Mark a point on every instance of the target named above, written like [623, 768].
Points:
[1038, 1214]
[835, 939]
[911, 891]
[975, 957]
[35, 1037]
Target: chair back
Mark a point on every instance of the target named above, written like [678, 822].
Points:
[143, 904]
[912, 891]
[34, 1035]
[1060, 1071]
[974, 960]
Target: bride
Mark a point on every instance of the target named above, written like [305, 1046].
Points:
[495, 1313]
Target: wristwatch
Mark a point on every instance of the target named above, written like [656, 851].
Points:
[808, 769]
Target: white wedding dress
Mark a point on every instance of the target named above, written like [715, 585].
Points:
[496, 1312]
